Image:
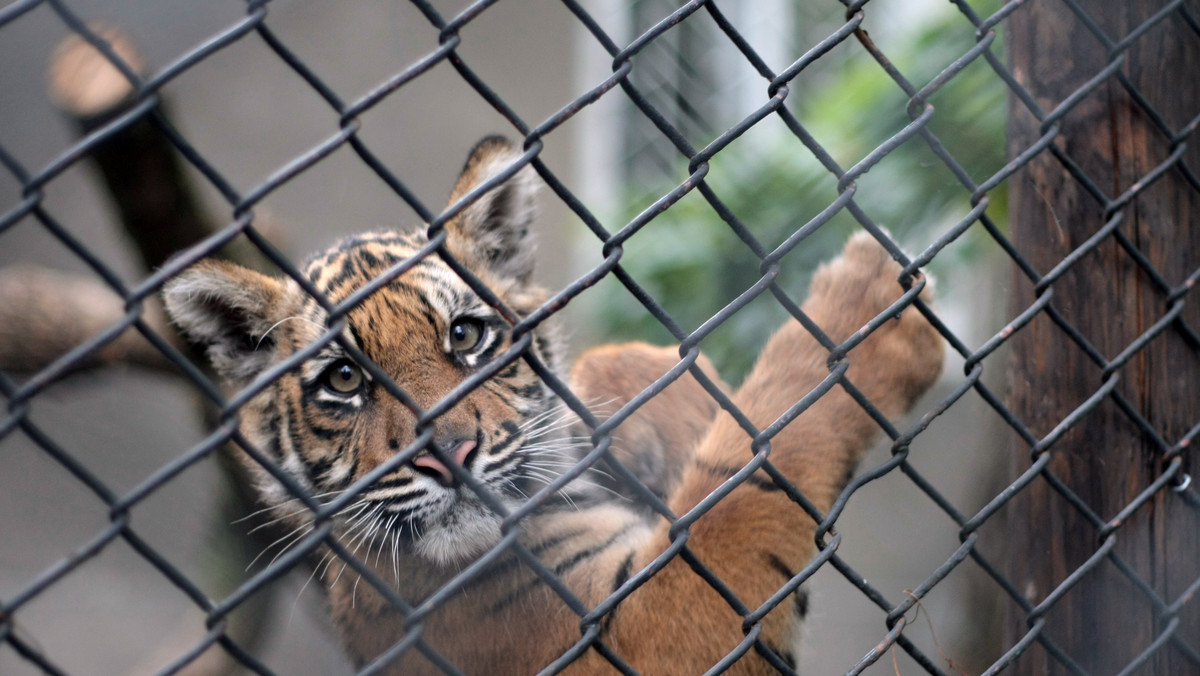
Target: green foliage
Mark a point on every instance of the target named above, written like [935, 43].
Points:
[692, 263]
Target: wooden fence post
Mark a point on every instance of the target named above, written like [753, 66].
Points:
[1104, 622]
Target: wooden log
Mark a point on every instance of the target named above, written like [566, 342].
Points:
[45, 313]
[158, 207]
[162, 214]
[139, 166]
[1104, 622]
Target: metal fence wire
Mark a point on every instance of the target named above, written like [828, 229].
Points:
[1064, 562]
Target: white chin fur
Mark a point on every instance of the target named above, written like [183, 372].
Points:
[464, 535]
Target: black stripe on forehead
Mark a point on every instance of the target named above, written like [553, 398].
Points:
[381, 313]
[354, 261]
[360, 259]
[402, 242]
[430, 293]
[440, 289]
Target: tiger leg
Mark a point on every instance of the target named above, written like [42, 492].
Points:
[756, 538]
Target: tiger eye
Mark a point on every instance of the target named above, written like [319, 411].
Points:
[343, 377]
[465, 334]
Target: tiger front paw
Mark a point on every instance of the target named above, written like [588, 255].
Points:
[903, 355]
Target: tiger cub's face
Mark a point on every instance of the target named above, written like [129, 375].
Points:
[330, 422]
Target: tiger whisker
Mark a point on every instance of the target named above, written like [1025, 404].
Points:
[568, 418]
[291, 537]
[272, 508]
[364, 527]
[580, 482]
[287, 516]
[548, 479]
[395, 553]
[296, 601]
[560, 409]
[286, 319]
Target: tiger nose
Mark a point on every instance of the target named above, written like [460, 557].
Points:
[458, 452]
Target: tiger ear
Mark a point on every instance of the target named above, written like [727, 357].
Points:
[492, 233]
[229, 311]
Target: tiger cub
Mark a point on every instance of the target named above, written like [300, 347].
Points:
[331, 421]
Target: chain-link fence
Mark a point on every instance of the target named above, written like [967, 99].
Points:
[1075, 552]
